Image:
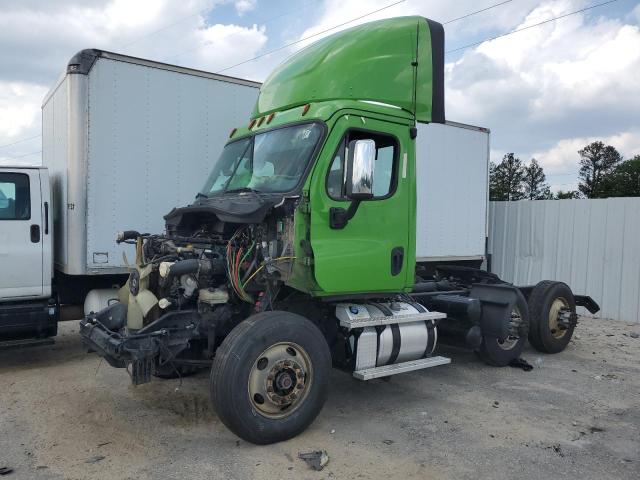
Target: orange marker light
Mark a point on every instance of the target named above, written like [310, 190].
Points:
[306, 109]
[252, 123]
[270, 117]
[260, 121]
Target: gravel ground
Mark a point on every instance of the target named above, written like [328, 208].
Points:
[66, 414]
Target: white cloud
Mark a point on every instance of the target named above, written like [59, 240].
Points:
[244, 6]
[563, 156]
[548, 91]
[636, 13]
[336, 12]
[38, 39]
[543, 92]
[20, 118]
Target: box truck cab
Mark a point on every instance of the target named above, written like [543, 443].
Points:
[26, 254]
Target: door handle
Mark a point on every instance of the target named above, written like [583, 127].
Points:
[35, 233]
[397, 260]
[46, 218]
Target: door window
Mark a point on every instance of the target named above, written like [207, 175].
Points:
[15, 201]
[384, 177]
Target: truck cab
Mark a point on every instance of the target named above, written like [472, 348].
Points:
[300, 251]
[25, 254]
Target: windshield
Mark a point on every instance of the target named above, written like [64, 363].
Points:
[273, 161]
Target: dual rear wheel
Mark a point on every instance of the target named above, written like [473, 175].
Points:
[553, 312]
[501, 352]
[547, 319]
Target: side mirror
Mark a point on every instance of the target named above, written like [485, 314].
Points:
[361, 161]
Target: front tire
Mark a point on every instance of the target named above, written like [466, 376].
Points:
[270, 377]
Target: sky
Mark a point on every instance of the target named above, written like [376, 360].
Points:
[544, 92]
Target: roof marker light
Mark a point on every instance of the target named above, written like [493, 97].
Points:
[252, 123]
[306, 109]
[271, 115]
[260, 121]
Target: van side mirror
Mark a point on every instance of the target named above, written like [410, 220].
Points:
[361, 161]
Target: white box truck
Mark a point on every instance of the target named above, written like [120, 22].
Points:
[123, 141]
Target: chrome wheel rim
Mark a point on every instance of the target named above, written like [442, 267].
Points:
[280, 380]
[558, 306]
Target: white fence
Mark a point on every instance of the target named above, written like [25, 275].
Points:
[592, 245]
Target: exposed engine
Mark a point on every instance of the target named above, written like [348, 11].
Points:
[194, 283]
[239, 264]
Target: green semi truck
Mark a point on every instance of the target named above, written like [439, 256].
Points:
[316, 242]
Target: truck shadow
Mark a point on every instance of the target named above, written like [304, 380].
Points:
[67, 347]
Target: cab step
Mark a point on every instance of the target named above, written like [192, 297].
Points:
[388, 370]
[375, 321]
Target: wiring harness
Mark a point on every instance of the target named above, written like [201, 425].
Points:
[245, 261]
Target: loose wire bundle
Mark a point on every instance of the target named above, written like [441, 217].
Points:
[239, 252]
[235, 260]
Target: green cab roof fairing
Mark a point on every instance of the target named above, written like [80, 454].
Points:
[397, 61]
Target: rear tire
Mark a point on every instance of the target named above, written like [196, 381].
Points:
[547, 300]
[270, 377]
[500, 354]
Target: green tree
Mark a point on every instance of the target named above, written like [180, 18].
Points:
[566, 195]
[624, 181]
[535, 186]
[597, 160]
[506, 179]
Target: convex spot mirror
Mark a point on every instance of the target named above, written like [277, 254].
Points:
[361, 159]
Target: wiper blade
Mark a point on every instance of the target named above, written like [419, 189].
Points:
[242, 189]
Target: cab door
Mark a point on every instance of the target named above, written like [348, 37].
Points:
[21, 251]
[369, 254]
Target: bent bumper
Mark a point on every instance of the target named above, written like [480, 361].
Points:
[165, 337]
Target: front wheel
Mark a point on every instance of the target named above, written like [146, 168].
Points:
[270, 377]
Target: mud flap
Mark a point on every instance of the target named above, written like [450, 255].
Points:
[587, 302]
[497, 303]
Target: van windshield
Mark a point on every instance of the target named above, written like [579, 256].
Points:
[273, 161]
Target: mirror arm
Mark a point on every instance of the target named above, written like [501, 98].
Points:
[339, 217]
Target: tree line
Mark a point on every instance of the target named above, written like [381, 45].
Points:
[603, 173]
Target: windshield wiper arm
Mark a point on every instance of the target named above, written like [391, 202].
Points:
[243, 189]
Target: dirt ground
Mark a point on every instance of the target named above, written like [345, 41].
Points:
[66, 414]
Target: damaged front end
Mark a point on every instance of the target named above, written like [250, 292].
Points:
[227, 255]
[146, 350]
[191, 285]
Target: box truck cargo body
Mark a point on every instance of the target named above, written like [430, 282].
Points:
[451, 219]
[123, 141]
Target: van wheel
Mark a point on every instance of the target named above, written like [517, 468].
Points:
[500, 353]
[270, 377]
[553, 316]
